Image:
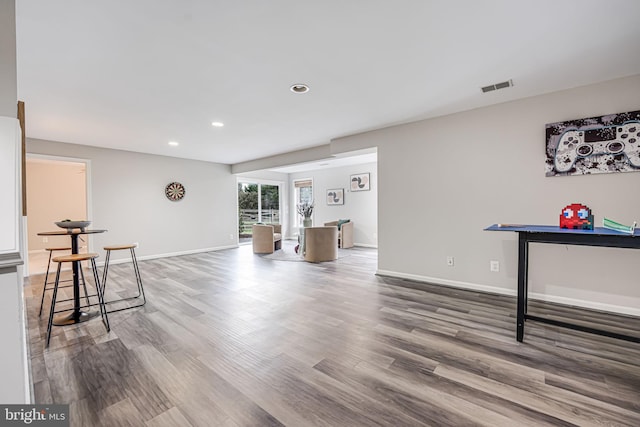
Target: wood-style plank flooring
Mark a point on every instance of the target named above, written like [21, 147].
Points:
[229, 338]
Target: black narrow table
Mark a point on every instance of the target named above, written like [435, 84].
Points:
[77, 315]
[599, 236]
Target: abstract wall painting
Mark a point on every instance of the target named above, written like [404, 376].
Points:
[604, 144]
[335, 196]
[360, 182]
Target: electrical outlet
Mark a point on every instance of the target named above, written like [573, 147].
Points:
[230, 236]
[450, 261]
[494, 266]
[45, 240]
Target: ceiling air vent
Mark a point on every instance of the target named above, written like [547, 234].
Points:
[497, 86]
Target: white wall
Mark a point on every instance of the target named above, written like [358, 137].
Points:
[361, 207]
[127, 198]
[453, 176]
[8, 72]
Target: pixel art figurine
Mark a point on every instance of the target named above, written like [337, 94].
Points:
[576, 216]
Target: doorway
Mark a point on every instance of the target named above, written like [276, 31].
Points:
[56, 190]
[257, 202]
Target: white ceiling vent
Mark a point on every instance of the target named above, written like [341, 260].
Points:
[497, 86]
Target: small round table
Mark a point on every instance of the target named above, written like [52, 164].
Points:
[77, 315]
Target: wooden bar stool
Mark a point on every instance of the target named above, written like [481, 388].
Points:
[47, 282]
[136, 270]
[99, 290]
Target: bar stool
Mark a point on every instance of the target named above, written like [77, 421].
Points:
[99, 290]
[136, 270]
[46, 278]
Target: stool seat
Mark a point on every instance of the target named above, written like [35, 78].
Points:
[120, 247]
[76, 257]
[60, 248]
[45, 288]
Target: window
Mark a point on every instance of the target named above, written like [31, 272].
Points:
[303, 194]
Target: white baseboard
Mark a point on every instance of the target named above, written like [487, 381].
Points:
[366, 245]
[609, 308]
[167, 255]
[446, 282]
[361, 245]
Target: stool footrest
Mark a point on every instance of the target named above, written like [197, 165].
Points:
[76, 315]
[82, 306]
[136, 270]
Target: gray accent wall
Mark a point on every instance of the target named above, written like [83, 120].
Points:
[442, 181]
[126, 197]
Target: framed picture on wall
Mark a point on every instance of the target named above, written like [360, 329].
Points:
[360, 182]
[335, 196]
[604, 144]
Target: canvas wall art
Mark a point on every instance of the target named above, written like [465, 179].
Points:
[335, 196]
[604, 144]
[360, 182]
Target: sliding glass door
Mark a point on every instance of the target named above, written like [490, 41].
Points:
[269, 209]
[257, 202]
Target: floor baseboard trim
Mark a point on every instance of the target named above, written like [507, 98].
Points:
[446, 282]
[366, 245]
[167, 255]
[609, 308]
[360, 245]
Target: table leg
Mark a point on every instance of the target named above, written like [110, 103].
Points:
[76, 280]
[77, 315]
[523, 266]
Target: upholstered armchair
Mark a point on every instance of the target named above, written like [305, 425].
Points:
[345, 233]
[267, 238]
[321, 244]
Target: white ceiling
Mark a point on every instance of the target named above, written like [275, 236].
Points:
[350, 159]
[137, 74]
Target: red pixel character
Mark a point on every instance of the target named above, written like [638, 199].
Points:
[576, 216]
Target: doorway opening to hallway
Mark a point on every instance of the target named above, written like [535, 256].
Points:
[56, 190]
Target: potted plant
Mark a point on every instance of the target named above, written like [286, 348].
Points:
[305, 210]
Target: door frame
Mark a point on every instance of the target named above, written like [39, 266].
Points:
[281, 193]
[88, 197]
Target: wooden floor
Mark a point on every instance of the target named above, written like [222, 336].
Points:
[229, 338]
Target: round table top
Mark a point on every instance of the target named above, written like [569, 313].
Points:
[69, 232]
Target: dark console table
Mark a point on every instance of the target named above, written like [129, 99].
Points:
[552, 234]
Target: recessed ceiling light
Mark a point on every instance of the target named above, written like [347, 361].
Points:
[217, 124]
[299, 88]
[173, 143]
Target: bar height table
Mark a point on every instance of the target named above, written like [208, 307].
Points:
[77, 315]
[599, 236]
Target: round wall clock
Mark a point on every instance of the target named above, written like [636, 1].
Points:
[174, 191]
